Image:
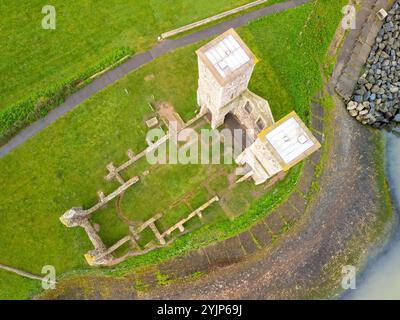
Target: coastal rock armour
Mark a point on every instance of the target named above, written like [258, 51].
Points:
[376, 99]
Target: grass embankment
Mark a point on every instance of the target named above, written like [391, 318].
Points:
[64, 165]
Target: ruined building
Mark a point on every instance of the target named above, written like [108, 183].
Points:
[225, 68]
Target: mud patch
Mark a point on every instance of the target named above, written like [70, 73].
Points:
[235, 249]
[297, 201]
[307, 177]
[248, 243]
[317, 124]
[149, 77]
[168, 114]
[217, 255]
[317, 110]
[180, 267]
[289, 213]
[274, 222]
[92, 288]
[316, 156]
[260, 232]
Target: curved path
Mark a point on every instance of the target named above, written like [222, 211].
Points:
[136, 62]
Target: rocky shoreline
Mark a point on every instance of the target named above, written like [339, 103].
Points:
[376, 99]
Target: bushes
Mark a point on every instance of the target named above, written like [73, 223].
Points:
[24, 112]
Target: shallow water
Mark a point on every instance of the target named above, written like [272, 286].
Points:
[381, 278]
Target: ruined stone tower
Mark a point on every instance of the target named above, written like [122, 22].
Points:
[225, 67]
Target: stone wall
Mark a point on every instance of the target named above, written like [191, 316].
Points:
[210, 19]
[376, 98]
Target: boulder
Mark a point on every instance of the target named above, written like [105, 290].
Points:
[376, 97]
[353, 113]
[352, 105]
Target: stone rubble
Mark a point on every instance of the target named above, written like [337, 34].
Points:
[376, 99]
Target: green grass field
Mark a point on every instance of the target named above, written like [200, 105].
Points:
[64, 165]
[32, 58]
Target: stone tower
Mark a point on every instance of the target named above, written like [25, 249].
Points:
[225, 67]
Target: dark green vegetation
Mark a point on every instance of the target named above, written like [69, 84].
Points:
[64, 165]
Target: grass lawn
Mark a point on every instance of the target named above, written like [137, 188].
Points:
[64, 165]
[32, 58]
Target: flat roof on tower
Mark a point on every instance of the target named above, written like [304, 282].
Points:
[226, 55]
[290, 140]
